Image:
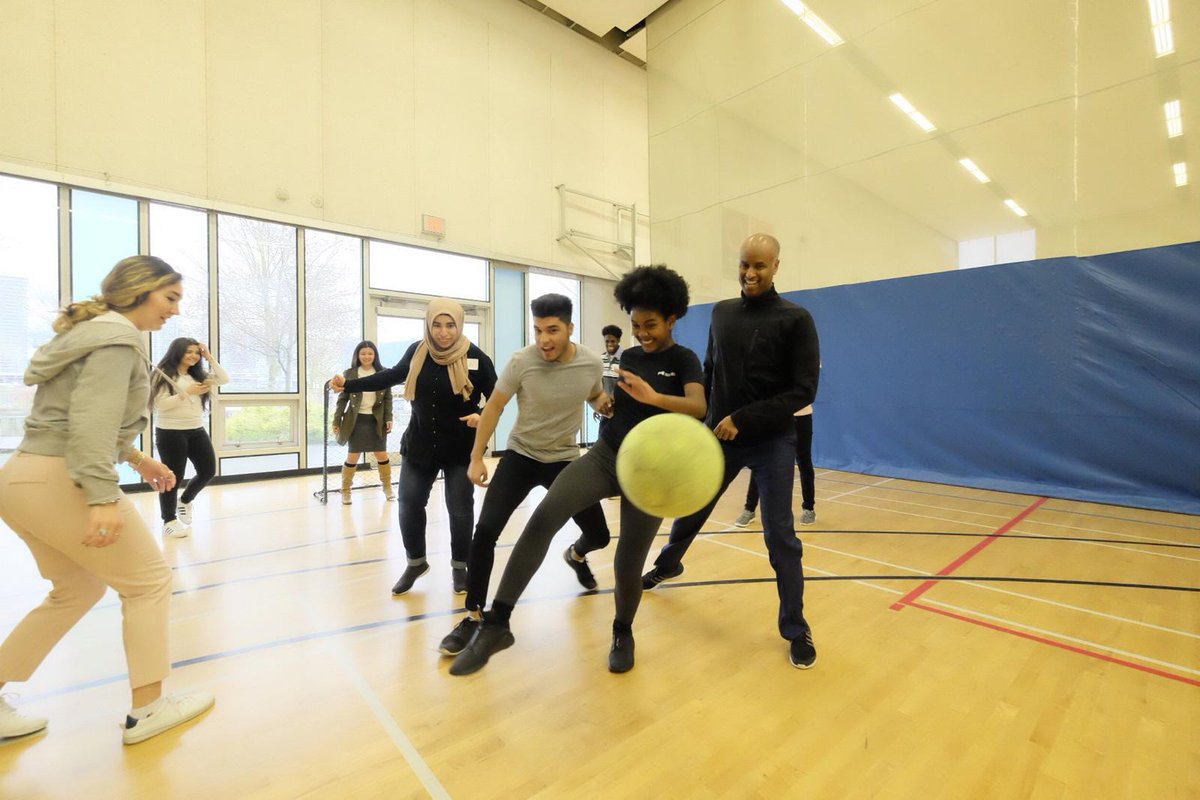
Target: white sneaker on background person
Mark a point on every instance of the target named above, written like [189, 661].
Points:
[13, 723]
[183, 513]
[175, 529]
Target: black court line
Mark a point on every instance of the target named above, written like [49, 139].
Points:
[1038, 537]
[397, 621]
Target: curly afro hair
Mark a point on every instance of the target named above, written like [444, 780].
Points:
[657, 288]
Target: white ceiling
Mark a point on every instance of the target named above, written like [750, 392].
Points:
[1059, 102]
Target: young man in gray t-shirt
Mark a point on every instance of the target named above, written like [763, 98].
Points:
[551, 379]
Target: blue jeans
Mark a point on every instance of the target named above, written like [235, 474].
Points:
[770, 464]
[416, 481]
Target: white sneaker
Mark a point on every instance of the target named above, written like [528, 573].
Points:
[167, 712]
[175, 530]
[183, 513]
[13, 723]
[745, 519]
[808, 516]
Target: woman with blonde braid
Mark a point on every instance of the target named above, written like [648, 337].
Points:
[445, 378]
[60, 493]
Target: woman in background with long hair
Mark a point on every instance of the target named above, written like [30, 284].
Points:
[179, 394]
[362, 421]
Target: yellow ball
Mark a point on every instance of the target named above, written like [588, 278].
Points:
[670, 465]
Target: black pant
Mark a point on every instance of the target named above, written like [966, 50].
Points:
[416, 482]
[175, 449]
[583, 484]
[770, 464]
[808, 477]
[513, 480]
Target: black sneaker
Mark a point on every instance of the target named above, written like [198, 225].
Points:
[488, 640]
[456, 640]
[582, 571]
[620, 657]
[409, 577]
[803, 653]
[458, 576]
[656, 576]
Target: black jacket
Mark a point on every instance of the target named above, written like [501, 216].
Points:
[435, 435]
[762, 365]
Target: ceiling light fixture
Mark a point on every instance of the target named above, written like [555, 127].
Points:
[970, 167]
[1016, 209]
[810, 19]
[1180, 173]
[1160, 25]
[909, 109]
[1174, 117]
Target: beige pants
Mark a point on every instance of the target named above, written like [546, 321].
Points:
[49, 512]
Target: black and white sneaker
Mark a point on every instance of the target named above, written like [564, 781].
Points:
[803, 653]
[656, 576]
[409, 577]
[582, 571]
[488, 640]
[456, 640]
[620, 656]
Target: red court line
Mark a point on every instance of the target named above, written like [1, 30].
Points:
[1083, 651]
[967, 556]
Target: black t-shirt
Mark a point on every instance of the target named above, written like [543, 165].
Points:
[667, 371]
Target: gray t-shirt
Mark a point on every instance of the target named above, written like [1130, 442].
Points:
[550, 396]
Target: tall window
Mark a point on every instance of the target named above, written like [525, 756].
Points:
[256, 302]
[179, 236]
[28, 293]
[333, 319]
[104, 230]
[398, 268]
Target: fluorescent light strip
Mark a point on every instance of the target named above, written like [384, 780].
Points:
[1164, 40]
[1016, 209]
[970, 167]
[1174, 117]
[1160, 11]
[1160, 24]
[820, 26]
[909, 109]
[1180, 173]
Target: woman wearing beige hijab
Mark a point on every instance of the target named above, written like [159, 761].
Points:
[445, 378]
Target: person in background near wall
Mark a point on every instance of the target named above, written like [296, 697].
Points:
[445, 379]
[180, 392]
[362, 421]
[60, 493]
[611, 358]
[762, 365]
[808, 483]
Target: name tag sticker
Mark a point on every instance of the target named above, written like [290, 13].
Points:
[472, 363]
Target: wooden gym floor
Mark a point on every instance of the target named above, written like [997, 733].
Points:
[1057, 656]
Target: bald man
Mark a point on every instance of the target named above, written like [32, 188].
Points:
[761, 367]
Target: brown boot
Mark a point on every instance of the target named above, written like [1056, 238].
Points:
[347, 482]
[385, 479]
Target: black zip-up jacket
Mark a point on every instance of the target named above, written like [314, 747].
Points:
[435, 435]
[762, 365]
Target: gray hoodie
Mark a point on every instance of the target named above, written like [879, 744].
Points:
[93, 382]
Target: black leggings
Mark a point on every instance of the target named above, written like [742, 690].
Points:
[175, 449]
[586, 481]
[808, 477]
[514, 478]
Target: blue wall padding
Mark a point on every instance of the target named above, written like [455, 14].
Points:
[1066, 377]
